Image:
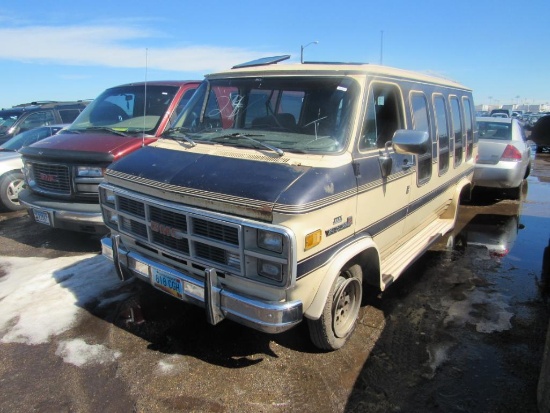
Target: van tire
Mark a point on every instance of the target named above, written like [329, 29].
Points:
[10, 185]
[339, 317]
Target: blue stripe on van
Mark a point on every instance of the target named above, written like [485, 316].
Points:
[318, 260]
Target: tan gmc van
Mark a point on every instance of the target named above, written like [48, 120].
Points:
[285, 190]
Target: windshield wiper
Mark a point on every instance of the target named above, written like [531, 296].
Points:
[181, 131]
[106, 129]
[248, 136]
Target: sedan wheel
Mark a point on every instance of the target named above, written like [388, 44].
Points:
[10, 186]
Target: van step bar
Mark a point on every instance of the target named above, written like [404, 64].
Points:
[395, 263]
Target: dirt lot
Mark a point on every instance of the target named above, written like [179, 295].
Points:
[461, 331]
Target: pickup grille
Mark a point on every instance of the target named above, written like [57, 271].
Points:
[52, 178]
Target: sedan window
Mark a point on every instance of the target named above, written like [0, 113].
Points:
[495, 130]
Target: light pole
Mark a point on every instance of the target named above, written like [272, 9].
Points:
[302, 50]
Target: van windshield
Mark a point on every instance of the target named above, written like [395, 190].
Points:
[297, 114]
[130, 109]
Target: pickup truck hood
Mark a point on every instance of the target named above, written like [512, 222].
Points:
[91, 147]
[238, 185]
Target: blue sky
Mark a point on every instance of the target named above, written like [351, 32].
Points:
[66, 50]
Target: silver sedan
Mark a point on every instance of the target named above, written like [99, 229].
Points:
[504, 159]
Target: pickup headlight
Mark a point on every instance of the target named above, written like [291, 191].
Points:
[89, 172]
[271, 241]
[27, 171]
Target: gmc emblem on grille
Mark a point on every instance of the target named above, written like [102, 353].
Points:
[166, 230]
[47, 177]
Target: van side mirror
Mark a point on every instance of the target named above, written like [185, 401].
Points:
[411, 142]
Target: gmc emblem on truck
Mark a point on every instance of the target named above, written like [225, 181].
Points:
[48, 178]
[166, 230]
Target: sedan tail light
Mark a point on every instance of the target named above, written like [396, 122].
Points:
[511, 153]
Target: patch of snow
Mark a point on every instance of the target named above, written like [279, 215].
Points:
[79, 353]
[170, 365]
[40, 298]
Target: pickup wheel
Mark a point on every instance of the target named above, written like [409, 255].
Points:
[339, 317]
[10, 185]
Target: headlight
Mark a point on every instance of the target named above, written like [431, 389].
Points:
[110, 218]
[107, 196]
[271, 241]
[27, 171]
[89, 172]
[270, 270]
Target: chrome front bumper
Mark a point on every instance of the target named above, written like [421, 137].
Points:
[219, 303]
[74, 216]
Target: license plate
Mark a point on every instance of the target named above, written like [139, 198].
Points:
[167, 283]
[42, 217]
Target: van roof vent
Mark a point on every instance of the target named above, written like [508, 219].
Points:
[263, 61]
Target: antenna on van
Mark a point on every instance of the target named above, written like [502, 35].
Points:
[144, 102]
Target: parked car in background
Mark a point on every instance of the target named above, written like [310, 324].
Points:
[63, 172]
[11, 177]
[499, 115]
[24, 117]
[504, 157]
[540, 134]
[506, 113]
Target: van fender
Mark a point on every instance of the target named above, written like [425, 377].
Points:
[463, 191]
[342, 258]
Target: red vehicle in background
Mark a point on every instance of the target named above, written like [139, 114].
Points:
[62, 173]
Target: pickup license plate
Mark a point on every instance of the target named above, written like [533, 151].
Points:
[42, 217]
[167, 283]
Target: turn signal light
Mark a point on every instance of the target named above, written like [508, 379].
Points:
[313, 239]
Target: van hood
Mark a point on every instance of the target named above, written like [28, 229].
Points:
[244, 186]
[96, 147]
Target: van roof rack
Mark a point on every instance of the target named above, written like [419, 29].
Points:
[35, 103]
[335, 63]
[263, 61]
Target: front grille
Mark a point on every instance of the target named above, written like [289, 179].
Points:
[214, 230]
[52, 178]
[133, 227]
[169, 218]
[182, 234]
[131, 206]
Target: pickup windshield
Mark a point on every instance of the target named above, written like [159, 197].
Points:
[129, 110]
[295, 114]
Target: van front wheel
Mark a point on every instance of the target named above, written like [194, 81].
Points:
[339, 317]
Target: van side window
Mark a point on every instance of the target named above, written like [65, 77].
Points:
[421, 122]
[457, 129]
[442, 133]
[469, 127]
[384, 116]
